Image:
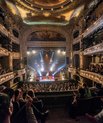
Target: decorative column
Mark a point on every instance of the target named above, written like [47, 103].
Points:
[10, 83]
[81, 60]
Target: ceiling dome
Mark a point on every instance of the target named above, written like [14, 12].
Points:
[47, 2]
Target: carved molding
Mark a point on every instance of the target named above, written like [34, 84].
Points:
[92, 76]
[3, 52]
[94, 26]
[94, 49]
[6, 77]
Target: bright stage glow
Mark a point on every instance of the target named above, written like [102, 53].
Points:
[47, 80]
[33, 51]
[63, 52]
[59, 69]
[28, 52]
[46, 66]
[51, 69]
[42, 69]
[47, 74]
[58, 51]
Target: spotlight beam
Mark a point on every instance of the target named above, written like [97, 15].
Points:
[59, 69]
[52, 56]
[31, 67]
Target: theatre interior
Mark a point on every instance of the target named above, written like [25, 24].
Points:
[51, 61]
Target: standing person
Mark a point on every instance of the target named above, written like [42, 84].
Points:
[5, 111]
[87, 90]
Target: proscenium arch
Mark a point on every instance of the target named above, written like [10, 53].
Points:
[28, 30]
[45, 36]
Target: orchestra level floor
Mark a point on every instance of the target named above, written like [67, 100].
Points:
[60, 115]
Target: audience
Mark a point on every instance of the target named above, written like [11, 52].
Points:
[96, 68]
[22, 106]
[5, 111]
[4, 70]
[50, 87]
[38, 107]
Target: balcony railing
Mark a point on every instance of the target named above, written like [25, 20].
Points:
[72, 70]
[94, 49]
[14, 39]
[3, 52]
[6, 77]
[93, 27]
[92, 76]
[15, 55]
[76, 52]
[78, 39]
[3, 30]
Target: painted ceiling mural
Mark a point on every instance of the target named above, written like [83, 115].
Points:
[47, 2]
[57, 12]
[46, 36]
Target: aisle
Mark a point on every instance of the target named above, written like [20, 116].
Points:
[59, 115]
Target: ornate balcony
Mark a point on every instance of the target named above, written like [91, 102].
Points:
[14, 39]
[3, 30]
[76, 52]
[78, 39]
[6, 77]
[92, 76]
[94, 49]
[15, 55]
[72, 70]
[94, 26]
[3, 52]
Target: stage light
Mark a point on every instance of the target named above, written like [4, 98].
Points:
[33, 51]
[63, 52]
[28, 52]
[61, 67]
[42, 69]
[31, 80]
[51, 69]
[47, 74]
[51, 60]
[58, 51]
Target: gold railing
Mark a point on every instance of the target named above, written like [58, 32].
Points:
[94, 26]
[3, 52]
[14, 39]
[78, 39]
[94, 49]
[16, 55]
[3, 30]
[72, 70]
[8, 34]
[6, 77]
[92, 76]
